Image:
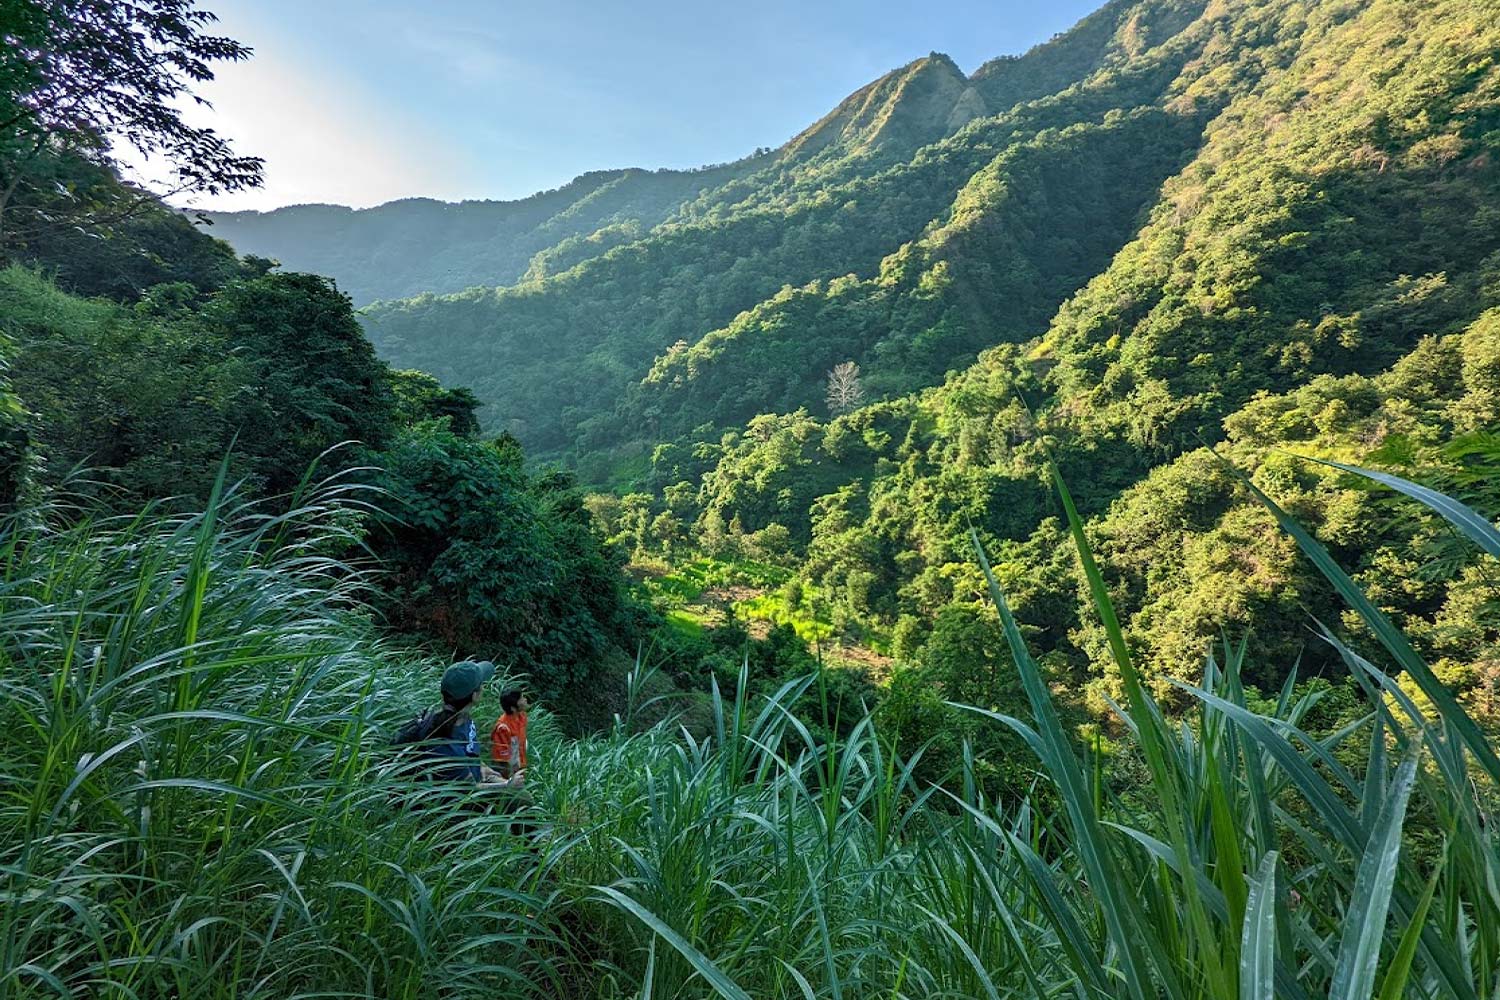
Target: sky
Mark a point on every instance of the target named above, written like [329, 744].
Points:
[358, 102]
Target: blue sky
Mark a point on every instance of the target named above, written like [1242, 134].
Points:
[363, 101]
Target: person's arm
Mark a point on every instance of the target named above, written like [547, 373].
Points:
[493, 777]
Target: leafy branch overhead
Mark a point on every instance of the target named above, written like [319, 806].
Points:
[81, 77]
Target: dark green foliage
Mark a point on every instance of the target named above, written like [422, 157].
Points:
[478, 556]
[144, 397]
[150, 397]
[419, 397]
[119, 242]
[964, 660]
[79, 76]
[487, 559]
[316, 380]
[14, 439]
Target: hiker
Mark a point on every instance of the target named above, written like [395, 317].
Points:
[450, 732]
[508, 737]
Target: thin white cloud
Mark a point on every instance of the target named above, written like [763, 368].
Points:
[466, 57]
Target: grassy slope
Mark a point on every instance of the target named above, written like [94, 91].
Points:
[196, 804]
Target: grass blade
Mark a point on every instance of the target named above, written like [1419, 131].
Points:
[1364, 925]
[1258, 939]
[1474, 525]
[1121, 912]
[722, 984]
[1394, 986]
[1390, 637]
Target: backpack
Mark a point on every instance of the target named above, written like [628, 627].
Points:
[418, 730]
[412, 748]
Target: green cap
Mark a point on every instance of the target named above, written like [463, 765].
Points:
[463, 679]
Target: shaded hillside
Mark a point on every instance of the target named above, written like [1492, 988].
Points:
[1026, 230]
[419, 245]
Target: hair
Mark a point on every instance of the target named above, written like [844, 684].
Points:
[451, 710]
[510, 699]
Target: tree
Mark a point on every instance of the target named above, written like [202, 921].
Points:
[485, 559]
[317, 382]
[419, 396]
[844, 390]
[77, 76]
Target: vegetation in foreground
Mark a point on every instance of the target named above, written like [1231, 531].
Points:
[196, 803]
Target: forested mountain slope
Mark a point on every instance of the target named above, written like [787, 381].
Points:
[841, 199]
[1322, 277]
[420, 245]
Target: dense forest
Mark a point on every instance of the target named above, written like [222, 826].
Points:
[1031, 534]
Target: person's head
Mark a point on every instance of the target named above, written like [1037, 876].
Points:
[464, 681]
[514, 700]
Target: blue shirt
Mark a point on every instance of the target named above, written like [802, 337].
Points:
[462, 745]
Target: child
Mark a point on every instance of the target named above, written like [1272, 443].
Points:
[508, 738]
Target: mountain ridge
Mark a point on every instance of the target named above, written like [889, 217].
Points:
[423, 245]
[806, 217]
[382, 253]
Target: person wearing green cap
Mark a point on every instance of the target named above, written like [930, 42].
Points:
[453, 733]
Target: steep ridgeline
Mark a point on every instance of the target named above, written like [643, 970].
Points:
[1323, 276]
[901, 187]
[420, 245]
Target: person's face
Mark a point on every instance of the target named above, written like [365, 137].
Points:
[523, 704]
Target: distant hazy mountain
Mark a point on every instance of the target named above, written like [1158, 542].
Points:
[420, 245]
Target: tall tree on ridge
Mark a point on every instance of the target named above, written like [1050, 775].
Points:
[845, 392]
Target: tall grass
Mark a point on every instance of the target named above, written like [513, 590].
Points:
[1255, 864]
[195, 802]
[187, 801]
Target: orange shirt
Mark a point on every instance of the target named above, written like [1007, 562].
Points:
[510, 726]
